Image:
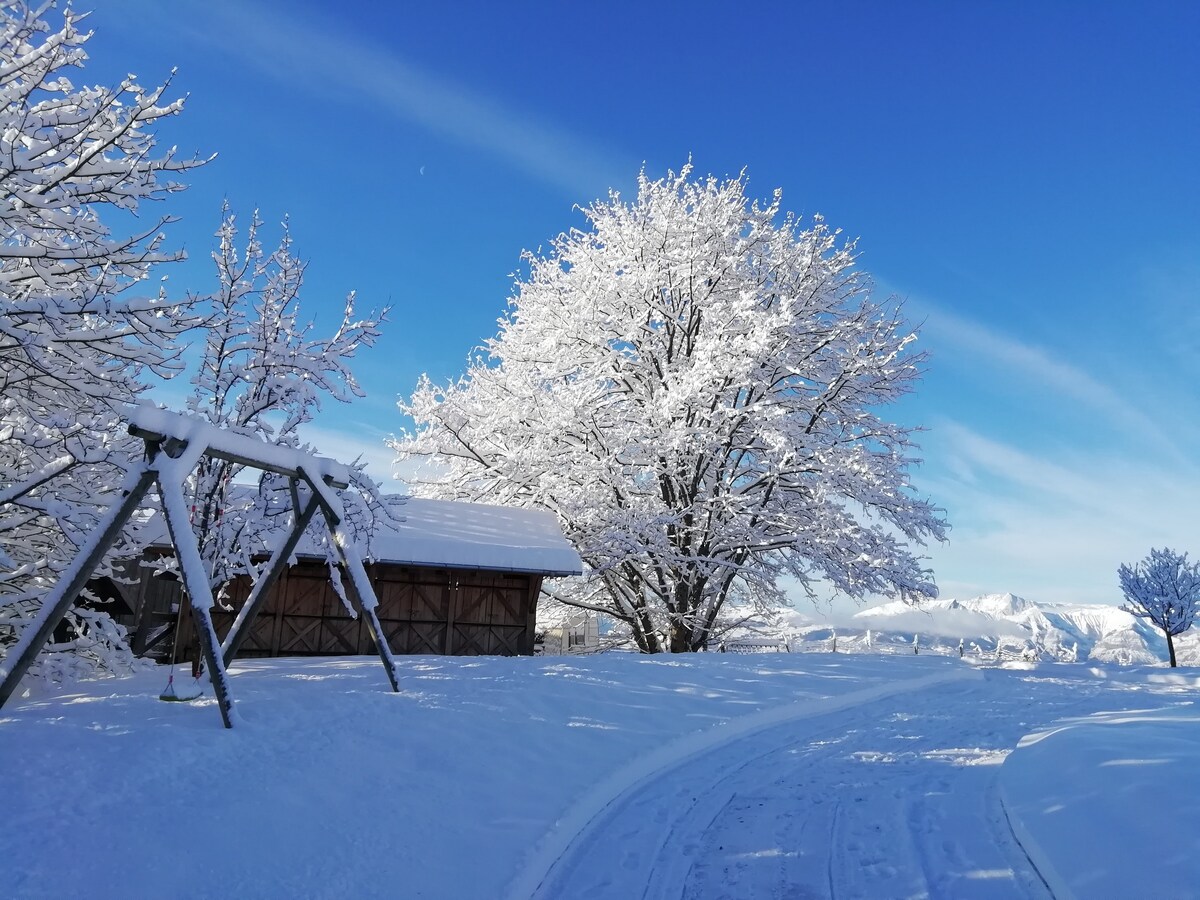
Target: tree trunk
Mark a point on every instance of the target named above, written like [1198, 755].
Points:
[1171, 649]
[683, 610]
[644, 633]
[681, 638]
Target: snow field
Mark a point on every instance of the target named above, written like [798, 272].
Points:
[1128, 781]
[485, 774]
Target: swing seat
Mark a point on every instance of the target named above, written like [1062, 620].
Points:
[171, 695]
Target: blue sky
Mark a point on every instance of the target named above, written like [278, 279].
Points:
[1024, 175]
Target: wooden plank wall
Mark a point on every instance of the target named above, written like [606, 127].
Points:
[422, 610]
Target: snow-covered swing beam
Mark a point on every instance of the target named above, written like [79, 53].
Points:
[174, 444]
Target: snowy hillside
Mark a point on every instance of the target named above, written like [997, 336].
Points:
[610, 776]
[1002, 625]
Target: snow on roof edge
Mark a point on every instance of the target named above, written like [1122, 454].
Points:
[457, 535]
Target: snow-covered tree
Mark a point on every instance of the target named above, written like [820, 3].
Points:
[693, 384]
[79, 324]
[1164, 588]
[263, 373]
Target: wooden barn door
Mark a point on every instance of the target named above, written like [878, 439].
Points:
[489, 614]
[301, 616]
[303, 597]
[413, 606]
[455, 612]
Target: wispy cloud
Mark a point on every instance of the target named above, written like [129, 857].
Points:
[1052, 374]
[1050, 529]
[336, 66]
[985, 460]
[1170, 293]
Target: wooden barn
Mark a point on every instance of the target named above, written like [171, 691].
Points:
[452, 578]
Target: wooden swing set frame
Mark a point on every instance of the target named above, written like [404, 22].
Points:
[174, 445]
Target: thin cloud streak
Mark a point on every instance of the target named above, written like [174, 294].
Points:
[985, 460]
[1063, 378]
[1032, 525]
[285, 49]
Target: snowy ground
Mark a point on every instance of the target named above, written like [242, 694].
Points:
[781, 775]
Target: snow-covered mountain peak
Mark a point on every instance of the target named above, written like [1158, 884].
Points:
[1006, 604]
[1004, 625]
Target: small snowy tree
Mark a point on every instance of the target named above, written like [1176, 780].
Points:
[693, 386]
[78, 328]
[1164, 588]
[264, 374]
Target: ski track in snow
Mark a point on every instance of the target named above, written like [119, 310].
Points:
[590, 809]
[827, 807]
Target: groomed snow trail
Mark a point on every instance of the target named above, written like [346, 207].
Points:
[892, 798]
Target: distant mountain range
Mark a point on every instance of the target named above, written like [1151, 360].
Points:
[999, 625]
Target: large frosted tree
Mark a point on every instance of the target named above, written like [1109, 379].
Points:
[79, 324]
[694, 383]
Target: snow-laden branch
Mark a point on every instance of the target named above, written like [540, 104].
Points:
[78, 327]
[262, 375]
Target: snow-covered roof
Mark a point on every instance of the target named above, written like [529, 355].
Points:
[451, 533]
[475, 535]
